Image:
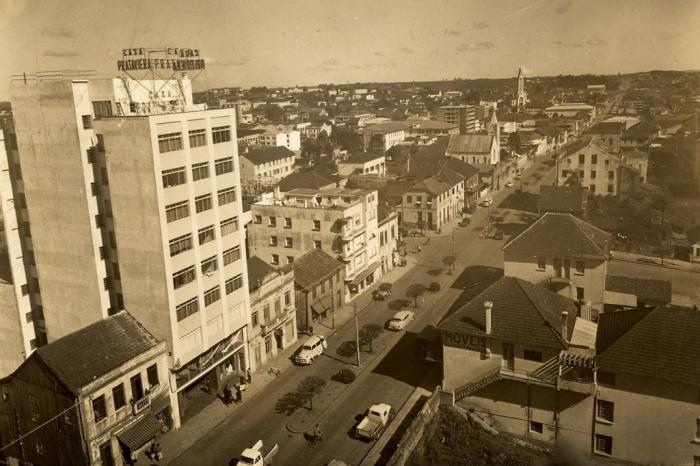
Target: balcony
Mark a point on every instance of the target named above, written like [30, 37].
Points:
[140, 405]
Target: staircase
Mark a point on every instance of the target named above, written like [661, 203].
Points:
[478, 383]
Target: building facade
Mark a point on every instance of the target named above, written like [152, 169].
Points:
[266, 166]
[591, 164]
[362, 164]
[319, 279]
[281, 135]
[272, 309]
[434, 201]
[340, 221]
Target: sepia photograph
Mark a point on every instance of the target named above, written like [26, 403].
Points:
[378, 232]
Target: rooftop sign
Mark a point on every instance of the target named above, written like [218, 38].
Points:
[175, 59]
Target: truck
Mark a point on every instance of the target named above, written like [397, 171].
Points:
[374, 423]
[254, 455]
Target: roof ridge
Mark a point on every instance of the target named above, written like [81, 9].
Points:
[627, 330]
[512, 240]
[537, 308]
[578, 223]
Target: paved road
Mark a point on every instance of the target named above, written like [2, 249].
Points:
[398, 372]
[685, 285]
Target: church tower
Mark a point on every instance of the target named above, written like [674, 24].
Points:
[521, 97]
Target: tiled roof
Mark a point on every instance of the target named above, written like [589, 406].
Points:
[470, 144]
[570, 199]
[560, 235]
[647, 290]
[93, 351]
[522, 312]
[361, 158]
[432, 184]
[662, 343]
[306, 180]
[268, 154]
[551, 131]
[589, 140]
[314, 266]
[641, 130]
[607, 127]
[258, 269]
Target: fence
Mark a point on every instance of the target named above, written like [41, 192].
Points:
[414, 433]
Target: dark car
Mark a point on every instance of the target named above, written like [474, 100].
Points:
[465, 222]
[382, 292]
[345, 376]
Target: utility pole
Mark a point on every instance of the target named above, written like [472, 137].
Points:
[357, 333]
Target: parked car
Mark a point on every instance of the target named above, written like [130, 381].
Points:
[312, 348]
[254, 456]
[374, 423]
[345, 376]
[509, 184]
[400, 320]
[383, 292]
[466, 221]
[487, 202]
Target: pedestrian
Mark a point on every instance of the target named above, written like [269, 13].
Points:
[318, 435]
[157, 453]
[239, 394]
[249, 374]
[227, 395]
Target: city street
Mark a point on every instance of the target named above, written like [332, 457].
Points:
[685, 284]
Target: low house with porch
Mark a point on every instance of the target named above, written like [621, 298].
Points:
[90, 397]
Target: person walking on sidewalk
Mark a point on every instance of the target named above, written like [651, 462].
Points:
[228, 396]
[249, 375]
[239, 394]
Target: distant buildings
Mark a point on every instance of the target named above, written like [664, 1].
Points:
[562, 199]
[591, 164]
[266, 166]
[281, 135]
[382, 137]
[570, 110]
[362, 164]
[463, 115]
[609, 132]
[479, 150]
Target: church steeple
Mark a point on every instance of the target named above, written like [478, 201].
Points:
[521, 96]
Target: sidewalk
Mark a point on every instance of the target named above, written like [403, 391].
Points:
[175, 442]
[668, 263]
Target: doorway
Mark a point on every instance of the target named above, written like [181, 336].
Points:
[279, 339]
[557, 268]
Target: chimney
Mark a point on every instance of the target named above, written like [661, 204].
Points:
[488, 305]
[565, 325]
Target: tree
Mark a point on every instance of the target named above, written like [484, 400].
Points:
[310, 149]
[368, 333]
[414, 291]
[309, 388]
[449, 261]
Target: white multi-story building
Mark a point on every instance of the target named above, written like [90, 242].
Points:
[280, 135]
[141, 211]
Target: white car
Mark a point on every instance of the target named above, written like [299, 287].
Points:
[311, 349]
[400, 320]
[487, 202]
[509, 184]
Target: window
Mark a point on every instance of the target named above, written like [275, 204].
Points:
[221, 134]
[174, 177]
[605, 410]
[87, 121]
[257, 219]
[104, 177]
[206, 234]
[581, 159]
[200, 171]
[187, 308]
[152, 375]
[593, 174]
[317, 244]
[579, 293]
[233, 284]
[266, 313]
[273, 240]
[290, 259]
[118, 397]
[288, 242]
[580, 267]
[287, 222]
[224, 165]
[317, 225]
[611, 188]
[183, 277]
[177, 211]
[33, 407]
[136, 387]
[594, 159]
[409, 199]
[232, 255]
[697, 429]
[696, 460]
[99, 408]
[102, 108]
[287, 298]
[603, 444]
[581, 174]
[209, 265]
[275, 259]
[541, 263]
[198, 137]
[25, 289]
[228, 195]
[106, 458]
[268, 344]
[607, 163]
[611, 175]
[531, 355]
[229, 225]
[211, 296]
[278, 307]
[202, 203]
[169, 142]
[592, 188]
[271, 222]
[536, 427]
[254, 318]
[180, 244]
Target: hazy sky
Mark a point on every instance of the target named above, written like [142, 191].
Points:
[287, 42]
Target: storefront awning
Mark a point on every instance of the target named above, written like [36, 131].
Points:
[321, 305]
[364, 274]
[140, 433]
